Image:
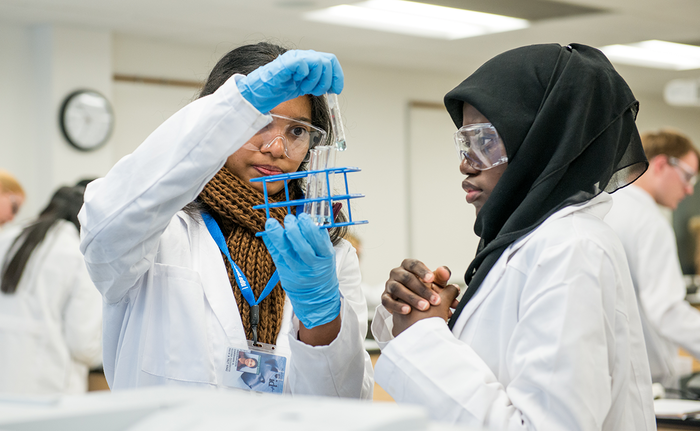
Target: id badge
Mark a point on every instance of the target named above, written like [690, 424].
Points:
[256, 367]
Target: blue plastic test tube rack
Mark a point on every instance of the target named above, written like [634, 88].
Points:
[300, 202]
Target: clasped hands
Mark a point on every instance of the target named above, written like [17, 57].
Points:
[414, 292]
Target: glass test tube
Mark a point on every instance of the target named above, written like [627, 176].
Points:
[322, 157]
[336, 121]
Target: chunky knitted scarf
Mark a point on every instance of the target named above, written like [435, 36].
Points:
[231, 201]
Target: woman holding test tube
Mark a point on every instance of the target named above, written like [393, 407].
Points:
[182, 286]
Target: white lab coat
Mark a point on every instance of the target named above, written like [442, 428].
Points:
[169, 308]
[668, 320]
[50, 328]
[550, 341]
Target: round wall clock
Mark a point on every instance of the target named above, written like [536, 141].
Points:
[86, 119]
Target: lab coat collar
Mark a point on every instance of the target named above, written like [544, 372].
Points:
[598, 206]
[640, 195]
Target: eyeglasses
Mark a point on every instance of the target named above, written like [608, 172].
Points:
[296, 135]
[481, 146]
[687, 174]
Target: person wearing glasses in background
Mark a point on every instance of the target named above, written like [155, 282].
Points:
[11, 197]
[169, 238]
[547, 335]
[647, 235]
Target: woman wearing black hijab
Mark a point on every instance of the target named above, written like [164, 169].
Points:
[547, 334]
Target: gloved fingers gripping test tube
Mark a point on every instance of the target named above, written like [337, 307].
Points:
[336, 121]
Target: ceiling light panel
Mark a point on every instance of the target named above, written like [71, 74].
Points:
[532, 10]
[655, 54]
[416, 19]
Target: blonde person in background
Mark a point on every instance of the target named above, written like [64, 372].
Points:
[50, 312]
[11, 197]
[650, 244]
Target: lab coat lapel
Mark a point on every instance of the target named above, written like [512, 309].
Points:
[598, 206]
[481, 294]
[216, 284]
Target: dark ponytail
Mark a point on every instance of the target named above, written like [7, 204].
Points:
[64, 205]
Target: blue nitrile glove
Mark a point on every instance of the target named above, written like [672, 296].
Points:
[305, 261]
[291, 75]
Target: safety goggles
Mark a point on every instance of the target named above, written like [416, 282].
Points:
[686, 173]
[297, 136]
[480, 145]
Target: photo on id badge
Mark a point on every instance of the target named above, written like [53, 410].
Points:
[255, 370]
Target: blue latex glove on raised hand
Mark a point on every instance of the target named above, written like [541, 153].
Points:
[305, 261]
[291, 75]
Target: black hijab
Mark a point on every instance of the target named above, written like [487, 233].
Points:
[567, 120]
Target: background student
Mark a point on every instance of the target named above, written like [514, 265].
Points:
[11, 197]
[650, 244]
[50, 312]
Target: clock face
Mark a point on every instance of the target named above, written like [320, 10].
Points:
[86, 119]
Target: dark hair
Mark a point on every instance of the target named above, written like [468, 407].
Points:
[243, 365]
[245, 59]
[64, 205]
[84, 182]
[240, 365]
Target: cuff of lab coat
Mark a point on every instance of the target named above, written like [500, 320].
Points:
[382, 325]
[338, 367]
[250, 114]
[294, 334]
[403, 358]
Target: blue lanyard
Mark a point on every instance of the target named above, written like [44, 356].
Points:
[243, 283]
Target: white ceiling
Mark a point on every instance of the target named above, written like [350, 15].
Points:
[211, 22]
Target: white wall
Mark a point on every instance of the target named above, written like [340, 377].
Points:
[40, 66]
[375, 104]
[17, 128]
[654, 113]
[49, 61]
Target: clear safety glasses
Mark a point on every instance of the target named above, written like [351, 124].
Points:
[297, 137]
[481, 146]
[686, 173]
